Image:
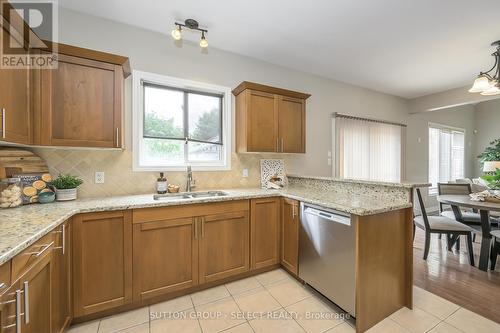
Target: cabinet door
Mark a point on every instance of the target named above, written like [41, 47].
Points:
[102, 261]
[165, 256]
[36, 288]
[9, 313]
[81, 104]
[291, 123]
[290, 235]
[15, 113]
[264, 232]
[262, 118]
[61, 286]
[224, 245]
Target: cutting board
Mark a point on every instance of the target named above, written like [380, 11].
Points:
[20, 161]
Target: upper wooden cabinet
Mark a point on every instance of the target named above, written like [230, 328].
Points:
[80, 103]
[102, 261]
[269, 119]
[15, 103]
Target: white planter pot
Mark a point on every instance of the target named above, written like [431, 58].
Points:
[66, 195]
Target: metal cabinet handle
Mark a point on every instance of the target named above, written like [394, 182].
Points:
[39, 253]
[26, 302]
[195, 228]
[282, 145]
[277, 145]
[202, 227]
[293, 212]
[3, 123]
[117, 137]
[18, 311]
[2, 285]
[63, 232]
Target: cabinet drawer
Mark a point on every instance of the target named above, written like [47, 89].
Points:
[24, 260]
[4, 277]
[182, 211]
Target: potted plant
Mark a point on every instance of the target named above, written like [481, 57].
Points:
[491, 153]
[66, 187]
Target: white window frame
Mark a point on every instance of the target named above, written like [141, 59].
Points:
[138, 120]
[433, 191]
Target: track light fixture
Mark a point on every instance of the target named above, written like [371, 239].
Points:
[192, 25]
[488, 83]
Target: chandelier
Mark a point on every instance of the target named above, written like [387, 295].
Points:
[488, 83]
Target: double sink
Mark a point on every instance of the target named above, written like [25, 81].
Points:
[189, 195]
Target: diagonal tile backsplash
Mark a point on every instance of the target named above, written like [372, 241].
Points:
[121, 180]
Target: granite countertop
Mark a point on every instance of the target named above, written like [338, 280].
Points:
[403, 184]
[22, 226]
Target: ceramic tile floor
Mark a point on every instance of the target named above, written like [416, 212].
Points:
[274, 302]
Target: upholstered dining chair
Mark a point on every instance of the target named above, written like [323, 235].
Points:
[495, 248]
[442, 225]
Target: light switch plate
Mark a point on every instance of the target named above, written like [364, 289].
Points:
[245, 173]
[99, 177]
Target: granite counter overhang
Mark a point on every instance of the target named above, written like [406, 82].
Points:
[21, 227]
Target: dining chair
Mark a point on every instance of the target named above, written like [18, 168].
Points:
[442, 225]
[495, 248]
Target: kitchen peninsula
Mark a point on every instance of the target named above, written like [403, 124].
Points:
[253, 229]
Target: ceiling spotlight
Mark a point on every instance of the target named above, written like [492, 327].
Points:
[203, 41]
[192, 25]
[177, 32]
[488, 83]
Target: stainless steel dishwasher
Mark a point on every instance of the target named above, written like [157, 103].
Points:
[327, 254]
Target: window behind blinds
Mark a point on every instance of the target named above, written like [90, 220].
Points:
[446, 154]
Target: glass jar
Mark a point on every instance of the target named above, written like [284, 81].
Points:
[11, 191]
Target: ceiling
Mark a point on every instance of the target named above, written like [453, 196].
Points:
[406, 48]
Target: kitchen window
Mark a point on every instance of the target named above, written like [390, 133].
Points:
[368, 149]
[446, 154]
[179, 123]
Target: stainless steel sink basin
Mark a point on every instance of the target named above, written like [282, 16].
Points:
[189, 195]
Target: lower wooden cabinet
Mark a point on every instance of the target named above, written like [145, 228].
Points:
[8, 313]
[265, 232]
[61, 278]
[35, 287]
[290, 235]
[224, 245]
[165, 253]
[102, 261]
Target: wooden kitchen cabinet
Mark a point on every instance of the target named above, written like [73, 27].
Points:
[80, 104]
[8, 313]
[36, 287]
[290, 235]
[165, 252]
[269, 119]
[265, 232]
[224, 245]
[102, 261]
[61, 278]
[15, 103]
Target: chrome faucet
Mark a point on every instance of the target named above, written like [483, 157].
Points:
[190, 182]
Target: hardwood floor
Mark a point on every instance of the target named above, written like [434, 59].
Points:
[449, 275]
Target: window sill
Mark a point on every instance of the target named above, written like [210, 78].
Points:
[213, 168]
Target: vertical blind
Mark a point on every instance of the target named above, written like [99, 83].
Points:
[367, 149]
[446, 154]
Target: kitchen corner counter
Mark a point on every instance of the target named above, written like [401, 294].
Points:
[21, 227]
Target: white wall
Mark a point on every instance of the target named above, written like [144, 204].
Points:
[154, 52]
[488, 127]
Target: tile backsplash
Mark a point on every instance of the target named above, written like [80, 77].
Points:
[121, 180]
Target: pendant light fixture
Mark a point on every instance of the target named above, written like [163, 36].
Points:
[192, 25]
[488, 83]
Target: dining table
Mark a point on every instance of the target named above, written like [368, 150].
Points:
[484, 207]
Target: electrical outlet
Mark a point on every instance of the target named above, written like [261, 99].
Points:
[245, 173]
[99, 177]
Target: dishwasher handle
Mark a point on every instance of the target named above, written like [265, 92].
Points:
[328, 216]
